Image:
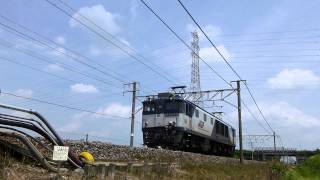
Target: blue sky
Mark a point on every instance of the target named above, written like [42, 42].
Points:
[272, 44]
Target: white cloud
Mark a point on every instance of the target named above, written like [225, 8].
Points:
[53, 68]
[60, 40]
[99, 15]
[115, 109]
[83, 88]
[79, 121]
[293, 123]
[283, 114]
[294, 78]
[210, 54]
[210, 30]
[24, 92]
[288, 121]
[107, 21]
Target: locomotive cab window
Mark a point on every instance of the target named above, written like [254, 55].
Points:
[205, 117]
[148, 108]
[189, 109]
[211, 119]
[197, 113]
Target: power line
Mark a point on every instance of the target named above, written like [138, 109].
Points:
[254, 117]
[274, 43]
[62, 106]
[62, 65]
[255, 102]
[177, 36]
[271, 32]
[41, 43]
[275, 56]
[42, 71]
[35, 69]
[214, 46]
[270, 39]
[275, 50]
[221, 55]
[64, 47]
[109, 41]
[109, 34]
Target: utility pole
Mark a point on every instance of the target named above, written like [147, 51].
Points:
[133, 108]
[239, 119]
[133, 111]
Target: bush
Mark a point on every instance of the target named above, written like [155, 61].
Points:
[310, 169]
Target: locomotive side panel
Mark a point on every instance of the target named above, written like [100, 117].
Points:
[179, 124]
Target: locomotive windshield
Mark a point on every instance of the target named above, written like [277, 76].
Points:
[165, 106]
[149, 108]
[172, 107]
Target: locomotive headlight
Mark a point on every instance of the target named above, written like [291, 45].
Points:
[171, 123]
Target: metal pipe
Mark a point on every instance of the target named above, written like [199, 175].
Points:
[27, 135]
[32, 148]
[30, 126]
[54, 133]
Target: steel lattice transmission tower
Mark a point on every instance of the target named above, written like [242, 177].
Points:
[195, 69]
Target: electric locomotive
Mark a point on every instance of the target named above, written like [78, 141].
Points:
[174, 123]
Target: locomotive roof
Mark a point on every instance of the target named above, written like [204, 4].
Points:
[168, 95]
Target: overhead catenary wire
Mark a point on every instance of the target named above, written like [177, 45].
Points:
[61, 105]
[226, 61]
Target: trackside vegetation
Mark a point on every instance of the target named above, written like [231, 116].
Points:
[310, 170]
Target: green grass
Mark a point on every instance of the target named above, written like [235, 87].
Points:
[226, 171]
[310, 169]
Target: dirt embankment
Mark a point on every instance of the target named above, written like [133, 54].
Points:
[111, 152]
[191, 165]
